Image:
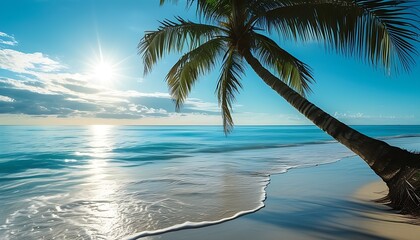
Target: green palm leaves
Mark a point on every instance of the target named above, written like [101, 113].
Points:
[193, 64]
[173, 37]
[378, 31]
[293, 72]
[381, 32]
[229, 84]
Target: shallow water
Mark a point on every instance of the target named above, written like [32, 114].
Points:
[112, 182]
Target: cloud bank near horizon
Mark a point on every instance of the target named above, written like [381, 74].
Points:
[35, 84]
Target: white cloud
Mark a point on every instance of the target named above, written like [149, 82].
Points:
[6, 39]
[72, 95]
[351, 115]
[29, 63]
[360, 118]
[42, 86]
[6, 99]
[197, 104]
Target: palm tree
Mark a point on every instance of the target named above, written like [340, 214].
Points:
[232, 32]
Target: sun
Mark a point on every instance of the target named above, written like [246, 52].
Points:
[103, 72]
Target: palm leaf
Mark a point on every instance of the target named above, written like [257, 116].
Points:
[228, 86]
[293, 72]
[173, 37]
[381, 32]
[190, 66]
[208, 9]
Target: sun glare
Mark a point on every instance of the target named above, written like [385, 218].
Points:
[103, 72]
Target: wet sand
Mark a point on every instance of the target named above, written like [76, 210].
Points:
[332, 201]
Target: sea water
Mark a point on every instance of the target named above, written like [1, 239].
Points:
[122, 182]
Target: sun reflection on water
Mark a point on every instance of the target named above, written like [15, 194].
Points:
[100, 140]
[100, 188]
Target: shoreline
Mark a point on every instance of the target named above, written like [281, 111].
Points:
[329, 201]
[193, 225]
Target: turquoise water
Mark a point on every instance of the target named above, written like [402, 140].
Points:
[113, 182]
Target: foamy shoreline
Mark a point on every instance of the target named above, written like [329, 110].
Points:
[192, 225]
[322, 202]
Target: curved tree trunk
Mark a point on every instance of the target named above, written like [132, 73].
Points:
[398, 168]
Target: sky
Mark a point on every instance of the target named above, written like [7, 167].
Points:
[76, 62]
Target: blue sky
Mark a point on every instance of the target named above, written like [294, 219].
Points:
[76, 62]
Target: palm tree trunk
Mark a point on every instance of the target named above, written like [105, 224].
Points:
[398, 168]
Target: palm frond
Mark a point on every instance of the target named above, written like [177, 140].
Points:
[173, 37]
[164, 1]
[228, 85]
[213, 10]
[190, 66]
[393, 29]
[291, 71]
[382, 32]
[208, 9]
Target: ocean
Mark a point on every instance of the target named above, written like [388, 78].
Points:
[123, 182]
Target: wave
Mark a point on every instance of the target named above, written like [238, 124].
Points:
[21, 162]
[168, 147]
[400, 136]
[227, 149]
[189, 225]
[192, 225]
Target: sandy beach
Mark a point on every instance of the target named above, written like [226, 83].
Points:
[332, 201]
